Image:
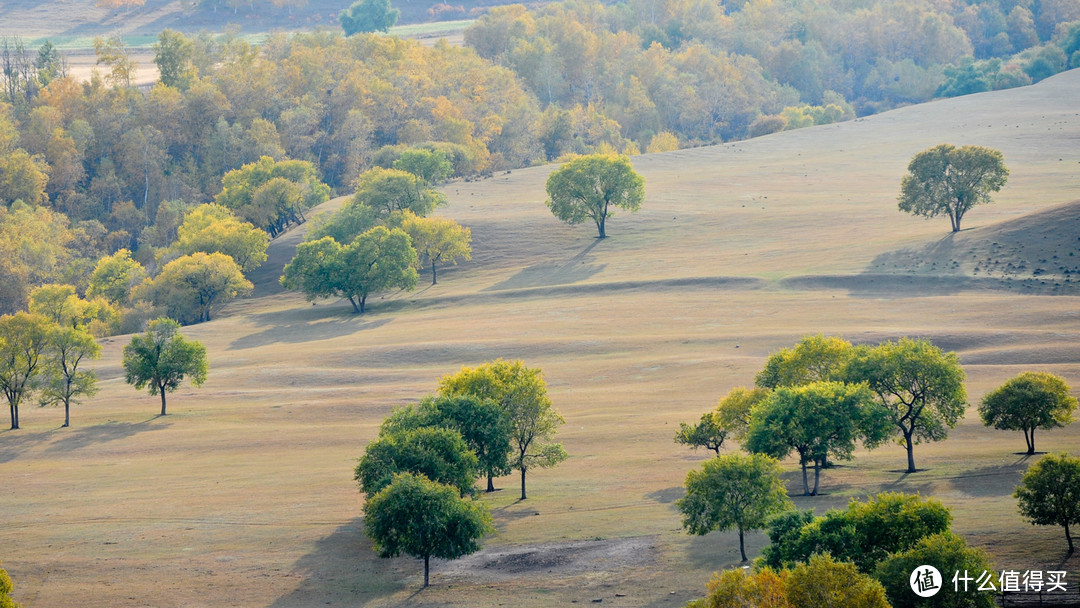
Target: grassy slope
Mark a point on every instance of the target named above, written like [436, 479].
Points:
[243, 496]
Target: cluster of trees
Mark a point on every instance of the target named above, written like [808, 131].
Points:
[420, 473]
[381, 237]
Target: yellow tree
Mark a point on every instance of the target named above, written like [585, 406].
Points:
[437, 239]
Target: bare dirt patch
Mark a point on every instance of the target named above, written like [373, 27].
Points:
[561, 560]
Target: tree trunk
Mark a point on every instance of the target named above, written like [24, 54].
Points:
[522, 483]
[161, 390]
[67, 412]
[491, 484]
[910, 453]
[363, 299]
[1068, 537]
[742, 547]
[433, 276]
[600, 227]
[805, 483]
[1030, 441]
[13, 424]
[355, 308]
[427, 568]
[817, 476]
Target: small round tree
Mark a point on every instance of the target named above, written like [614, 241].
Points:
[418, 517]
[1049, 493]
[1032, 400]
[161, 359]
[946, 180]
[368, 16]
[733, 491]
[587, 187]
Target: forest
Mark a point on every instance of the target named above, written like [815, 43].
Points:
[88, 169]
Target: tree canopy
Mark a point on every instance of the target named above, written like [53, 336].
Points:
[192, 287]
[1031, 400]
[1049, 493]
[424, 519]
[814, 359]
[368, 16]
[65, 379]
[162, 357]
[946, 180]
[24, 341]
[733, 491]
[212, 228]
[394, 190]
[437, 240]
[948, 553]
[115, 276]
[708, 433]
[439, 454]
[587, 188]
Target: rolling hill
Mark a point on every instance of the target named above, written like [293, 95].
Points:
[243, 495]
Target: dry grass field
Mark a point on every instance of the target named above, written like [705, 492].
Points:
[243, 495]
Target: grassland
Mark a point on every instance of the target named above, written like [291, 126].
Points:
[243, 495]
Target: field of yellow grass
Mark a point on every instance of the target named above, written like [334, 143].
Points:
[243, 494]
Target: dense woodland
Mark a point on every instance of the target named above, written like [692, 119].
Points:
[88, 169]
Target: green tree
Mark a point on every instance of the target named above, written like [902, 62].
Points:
[212, 228]
[708, 433]
[65, 382]
[437, 240]
[272, 194]
[733, 491]
[377, 260]
[393, 190]
[946, 180]
[813, 359]
[368, 16]
[191, 287]
[823, 582]
[440, 454]
[817, 421]
[733, 410]
[918, 384]
[430, 165]
[1032, 400]
[521, 392]
[946, 552]
[587, 188]
[345, 224]
[172, 54]
[6, 587]
[483, 425]
[1049, 493]
[864, 533]
[115, 276]
[161, 359]
[424, 519]
[24, 343]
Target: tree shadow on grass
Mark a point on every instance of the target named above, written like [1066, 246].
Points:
[553, 273]
[342, 570]
[15, 442]
[667, 496]
[315, 323]
[992, 481]
[82, 437]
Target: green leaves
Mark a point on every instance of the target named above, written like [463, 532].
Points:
[1049, 493]
[191, 287]
[1029, 401]
[733, 491]
[946, 180]
[587, 187]
[439, 454]
[161, 358]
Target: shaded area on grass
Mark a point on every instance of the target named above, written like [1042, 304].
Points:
[315, 323]
[101, 433]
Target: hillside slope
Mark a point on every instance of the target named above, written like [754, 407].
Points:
[244, 495]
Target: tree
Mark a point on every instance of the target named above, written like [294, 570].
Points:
[824, 582]
[212, 228]
[162, 357]
[430, 165]
[817, 420]
[1049, 493]
[437, 240]
[6, 587]
[948, 553]
[419, 517]
[1032, 400]
[272, 194]
[918, 384]
[587, 187]
[377, 260]
[949, 180]
[113, 52]
[23, 178]
[813, 359]
[733, 410]
[521, 392]
[345, 224]
[864, 533]
[439, 454]
[65, 382]
[733, 491]
[115, 276]
[172, 54]
[368, 16]
[24, 341]
[707, 433]
[191, 287]
[743, 588]
[392, 190]
[483, 425]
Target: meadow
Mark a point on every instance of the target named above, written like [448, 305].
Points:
[243, 495]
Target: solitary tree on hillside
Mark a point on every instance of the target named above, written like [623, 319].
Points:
[587, 188]
[1032, 400]
[65, 381]
[919, 385]
[24, 341]
[946, 180]
[733, 491]
[437, 240]
[521, 392]
[419, 517]
[368, 16]
[1049, 493]
[162, 357]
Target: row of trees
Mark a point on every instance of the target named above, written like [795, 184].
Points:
[420, 473]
